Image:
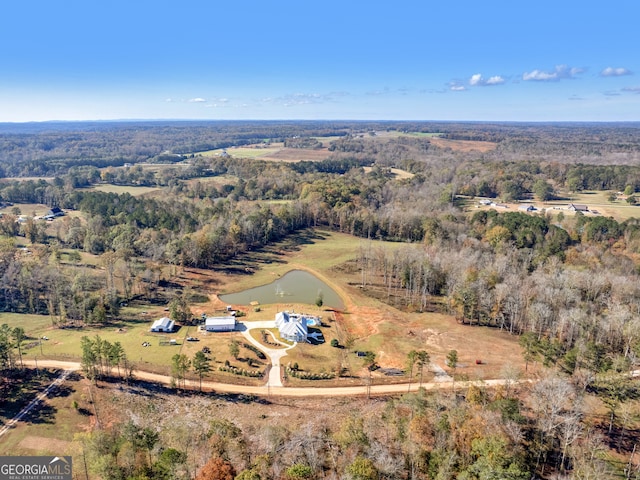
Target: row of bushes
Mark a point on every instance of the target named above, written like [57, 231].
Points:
[308, 375]
[255, 350]
[241, 371]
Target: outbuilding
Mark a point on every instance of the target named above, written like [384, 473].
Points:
[220, 324]
[163, 324]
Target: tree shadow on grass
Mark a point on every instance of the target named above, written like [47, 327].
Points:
[41, 414]
[248, 262]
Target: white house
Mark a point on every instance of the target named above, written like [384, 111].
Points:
[163, 324]
[292, 326]
[220, 324]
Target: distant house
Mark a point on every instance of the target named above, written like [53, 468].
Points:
[292, 327]
[53, 213]
[220, 324]
[578, 208]
[527, 208]
[163, 324]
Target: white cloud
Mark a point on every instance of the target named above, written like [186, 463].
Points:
[615, 72]
[477, 80]
[457, 88]
[560, 72]
[631, 89]
[495, 80]
[196, 100]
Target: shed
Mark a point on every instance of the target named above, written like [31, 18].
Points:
[220, 324]
[163, 324]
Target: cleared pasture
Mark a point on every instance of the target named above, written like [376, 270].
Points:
[135, 191]
[397, 172]
[251, 151]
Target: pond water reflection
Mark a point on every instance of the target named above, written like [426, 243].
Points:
[296, 286]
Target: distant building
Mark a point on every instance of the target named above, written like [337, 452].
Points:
[578, 208]
[292, 327]
[527, 208]
[163, 324]
[53, 213]
[220, 324]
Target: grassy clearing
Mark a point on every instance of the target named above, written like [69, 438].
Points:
[120, 189]
[217, 180]
[398, 173]
[30, 209]
[251, 151]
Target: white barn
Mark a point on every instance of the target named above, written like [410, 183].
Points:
[292, 327]
[220, 324]
[163, 324]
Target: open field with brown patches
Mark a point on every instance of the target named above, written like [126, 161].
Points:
[463, 145]
[275, 152]
[120, 189]
[298, 155]
[397, 172]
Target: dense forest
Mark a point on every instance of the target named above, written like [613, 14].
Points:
[567, 285]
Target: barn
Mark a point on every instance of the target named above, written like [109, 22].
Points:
[220, 324]
[163, 324]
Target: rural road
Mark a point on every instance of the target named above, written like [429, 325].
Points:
[41, 396]
[267, 390]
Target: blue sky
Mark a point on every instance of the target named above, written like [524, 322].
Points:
[413, 60]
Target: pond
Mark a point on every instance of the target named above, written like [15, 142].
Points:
[296, 286]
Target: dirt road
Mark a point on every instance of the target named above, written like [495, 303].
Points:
[375, 390]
